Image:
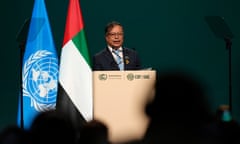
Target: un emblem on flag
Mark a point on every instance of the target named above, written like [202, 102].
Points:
[40, 79]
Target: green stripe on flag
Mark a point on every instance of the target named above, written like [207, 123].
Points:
[80, 41]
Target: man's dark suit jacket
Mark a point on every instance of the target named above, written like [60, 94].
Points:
[104, 60]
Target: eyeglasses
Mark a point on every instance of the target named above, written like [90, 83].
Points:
[115, 34]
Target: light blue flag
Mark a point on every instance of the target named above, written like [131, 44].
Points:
[40, 67]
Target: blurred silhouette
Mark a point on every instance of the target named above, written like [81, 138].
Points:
[94, 132]
[224, 129]
[14, 135]
[52, 127]
[179, 112]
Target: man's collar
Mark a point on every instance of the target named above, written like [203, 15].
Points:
[111, 49]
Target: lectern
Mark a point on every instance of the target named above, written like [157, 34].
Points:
[119, 101]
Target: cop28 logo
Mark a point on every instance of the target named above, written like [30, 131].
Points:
[102, 76]
[130, 76]
[40, 79]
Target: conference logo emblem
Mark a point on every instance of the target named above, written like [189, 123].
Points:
[40, 79]
[102, 77]
[130, 76]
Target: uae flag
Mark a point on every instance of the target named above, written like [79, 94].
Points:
[75, 73]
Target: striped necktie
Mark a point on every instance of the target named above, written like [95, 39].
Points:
[119, 59]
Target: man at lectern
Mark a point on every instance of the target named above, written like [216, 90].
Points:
[115, 56]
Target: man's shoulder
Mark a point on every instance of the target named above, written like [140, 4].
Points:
[103, 51]
[129, 50]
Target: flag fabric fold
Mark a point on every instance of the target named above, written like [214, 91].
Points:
[39, 68]
[75, 72]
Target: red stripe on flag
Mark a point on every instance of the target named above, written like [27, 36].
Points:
[74, 23]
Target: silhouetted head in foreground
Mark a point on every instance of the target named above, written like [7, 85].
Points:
[51, 127]
[94, 132]
[179, 110]
[14, 135]
[225, 128]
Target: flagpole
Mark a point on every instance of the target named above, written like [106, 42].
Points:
[229, 48]
[21, 39]
[22, 48]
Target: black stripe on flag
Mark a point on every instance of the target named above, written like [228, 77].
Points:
[65, 106]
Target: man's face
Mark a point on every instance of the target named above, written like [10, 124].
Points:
[114, 37]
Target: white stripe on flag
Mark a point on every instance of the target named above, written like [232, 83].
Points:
[75, 76]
